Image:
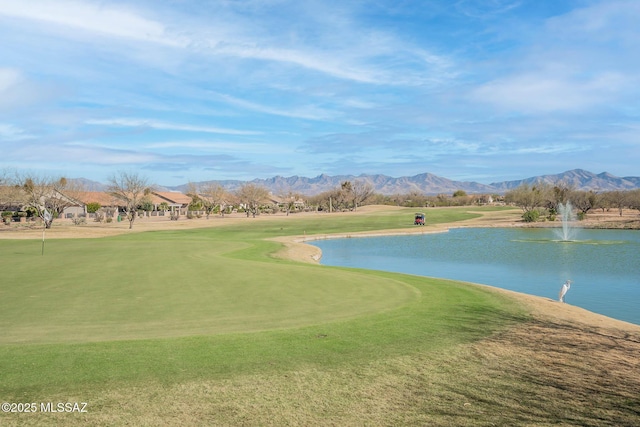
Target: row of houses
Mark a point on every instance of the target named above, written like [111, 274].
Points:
[76, 204]
[169, 201]
[79, 201]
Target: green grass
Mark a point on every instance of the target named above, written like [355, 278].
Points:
[448, 314]
[94, 316]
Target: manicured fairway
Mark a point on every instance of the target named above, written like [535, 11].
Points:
[181, 283]
[93, 316]
[162, 285]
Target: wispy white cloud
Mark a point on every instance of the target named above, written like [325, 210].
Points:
[100, 18]
[486, 8]
[547, 149]
[18, 91]
[219, 147]
[364, 59]
[578, 61]
[549, 92]
[11, 133]
[301, 112]
[157, 124]
[600, 21]
[336, 67]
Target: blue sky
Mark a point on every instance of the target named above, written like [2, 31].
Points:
[186, 90]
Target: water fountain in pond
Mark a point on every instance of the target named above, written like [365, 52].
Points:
[568, 231]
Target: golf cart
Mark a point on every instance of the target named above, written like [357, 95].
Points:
[419, 219]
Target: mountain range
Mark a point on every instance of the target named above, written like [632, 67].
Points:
[425, 183]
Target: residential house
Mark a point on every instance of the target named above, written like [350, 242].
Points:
[108, 202]
[176, 202]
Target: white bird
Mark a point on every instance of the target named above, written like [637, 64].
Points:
[563, 291]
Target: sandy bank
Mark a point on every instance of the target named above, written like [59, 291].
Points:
[540, 308]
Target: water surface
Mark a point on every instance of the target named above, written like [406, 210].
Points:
[604, 265]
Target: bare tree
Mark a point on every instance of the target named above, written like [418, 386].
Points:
[584, 200]
[213, 195]
[131, 189]
[326, 201]
[361, 191]
[633, 199]
[45, 196]
[8, 190]
[252, 196]
[617, 199]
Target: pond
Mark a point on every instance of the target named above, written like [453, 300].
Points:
[604, 265]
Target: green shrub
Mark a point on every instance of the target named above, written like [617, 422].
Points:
[531, 216]
[6, 217]
[93, 207]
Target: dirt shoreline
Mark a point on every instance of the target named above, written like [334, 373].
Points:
[540, 308]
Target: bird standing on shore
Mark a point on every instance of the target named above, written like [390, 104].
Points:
[563, 291]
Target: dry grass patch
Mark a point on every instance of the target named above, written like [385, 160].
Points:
[537, 374]
[567, 373]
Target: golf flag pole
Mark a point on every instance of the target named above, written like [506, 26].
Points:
[47, 218]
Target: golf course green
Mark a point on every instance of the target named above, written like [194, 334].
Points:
[196, 326]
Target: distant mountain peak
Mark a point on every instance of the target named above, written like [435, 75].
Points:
[426, 183]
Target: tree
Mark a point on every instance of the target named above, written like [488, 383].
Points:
[146, 204]
[345, 195]
[130, 188]
[93, 207]
[326, 201]
[617, 199]
[584, 200]
[289, 198]
[212, 196]
[164, 206]
[633, 199]
[412, 199]
[527, 197]
[45, 196]
[460, 193]
[361, 191]
[351, 194]
[561, 193]
[252, 196]
[9, 191]
[196, 204]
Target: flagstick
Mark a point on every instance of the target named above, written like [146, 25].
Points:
[46, 217]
